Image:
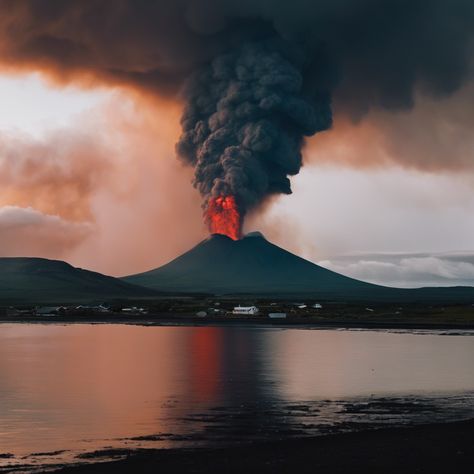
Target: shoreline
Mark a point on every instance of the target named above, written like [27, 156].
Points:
[430, 448]
[294, 323]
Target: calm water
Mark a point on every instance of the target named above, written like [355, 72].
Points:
[79, 388]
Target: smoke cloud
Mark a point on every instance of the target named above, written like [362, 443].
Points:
[256, 76]
[53, 237]
[57, 174]
[381, 49]
[434, 136]
[244, 122]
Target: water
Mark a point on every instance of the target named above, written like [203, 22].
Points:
[66, 390]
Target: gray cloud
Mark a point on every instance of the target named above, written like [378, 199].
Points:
[407, 270]
[379, 48]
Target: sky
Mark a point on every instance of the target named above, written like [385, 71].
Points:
[90, 119]
[387, 224]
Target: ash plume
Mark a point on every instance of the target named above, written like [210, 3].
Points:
[245, 117]
[258, 75]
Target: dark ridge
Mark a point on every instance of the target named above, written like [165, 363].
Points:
[39, 280]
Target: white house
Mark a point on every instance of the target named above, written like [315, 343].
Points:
[245, 310]
[134, 310]
[317, 306]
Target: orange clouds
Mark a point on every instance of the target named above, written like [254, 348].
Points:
[151, 212]
[434, 136]
[109, 193]
[28, 232]
[56, 175]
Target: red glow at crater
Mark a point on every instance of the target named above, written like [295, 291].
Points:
[223, 217]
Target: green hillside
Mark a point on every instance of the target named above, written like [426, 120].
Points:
[36, 280]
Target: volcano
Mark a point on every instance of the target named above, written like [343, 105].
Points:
[254, 266]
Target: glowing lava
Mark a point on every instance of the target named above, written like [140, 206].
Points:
[223, 217]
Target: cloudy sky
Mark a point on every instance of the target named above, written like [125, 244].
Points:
[89, 174]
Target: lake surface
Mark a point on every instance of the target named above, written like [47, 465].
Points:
[78, 388]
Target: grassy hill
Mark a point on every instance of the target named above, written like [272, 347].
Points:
[38, 280]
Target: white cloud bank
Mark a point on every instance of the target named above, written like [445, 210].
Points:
[407, 271]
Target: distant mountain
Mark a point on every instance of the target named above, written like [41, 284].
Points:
[252, 265]
[38, 280]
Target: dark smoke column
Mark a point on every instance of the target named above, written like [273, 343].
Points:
[244, 123]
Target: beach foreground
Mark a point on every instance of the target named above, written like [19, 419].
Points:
[437, 448]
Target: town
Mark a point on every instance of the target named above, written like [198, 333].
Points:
[211, 310]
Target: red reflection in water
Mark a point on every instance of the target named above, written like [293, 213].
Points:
[206, 351]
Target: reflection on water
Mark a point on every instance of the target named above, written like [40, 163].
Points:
[78, 388]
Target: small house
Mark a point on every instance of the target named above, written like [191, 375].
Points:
[249, 310]
[134, 310]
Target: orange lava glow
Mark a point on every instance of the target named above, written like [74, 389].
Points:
[223, 217]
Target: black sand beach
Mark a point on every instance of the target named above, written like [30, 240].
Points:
[437, 448]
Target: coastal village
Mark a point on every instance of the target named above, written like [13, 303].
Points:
[272, 310]
[222, 310]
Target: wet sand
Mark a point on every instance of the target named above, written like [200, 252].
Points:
[437, 448]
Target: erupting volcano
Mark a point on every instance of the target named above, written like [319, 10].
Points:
[246, 114]
[223, 217]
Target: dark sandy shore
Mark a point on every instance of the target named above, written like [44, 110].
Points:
[438, 448]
